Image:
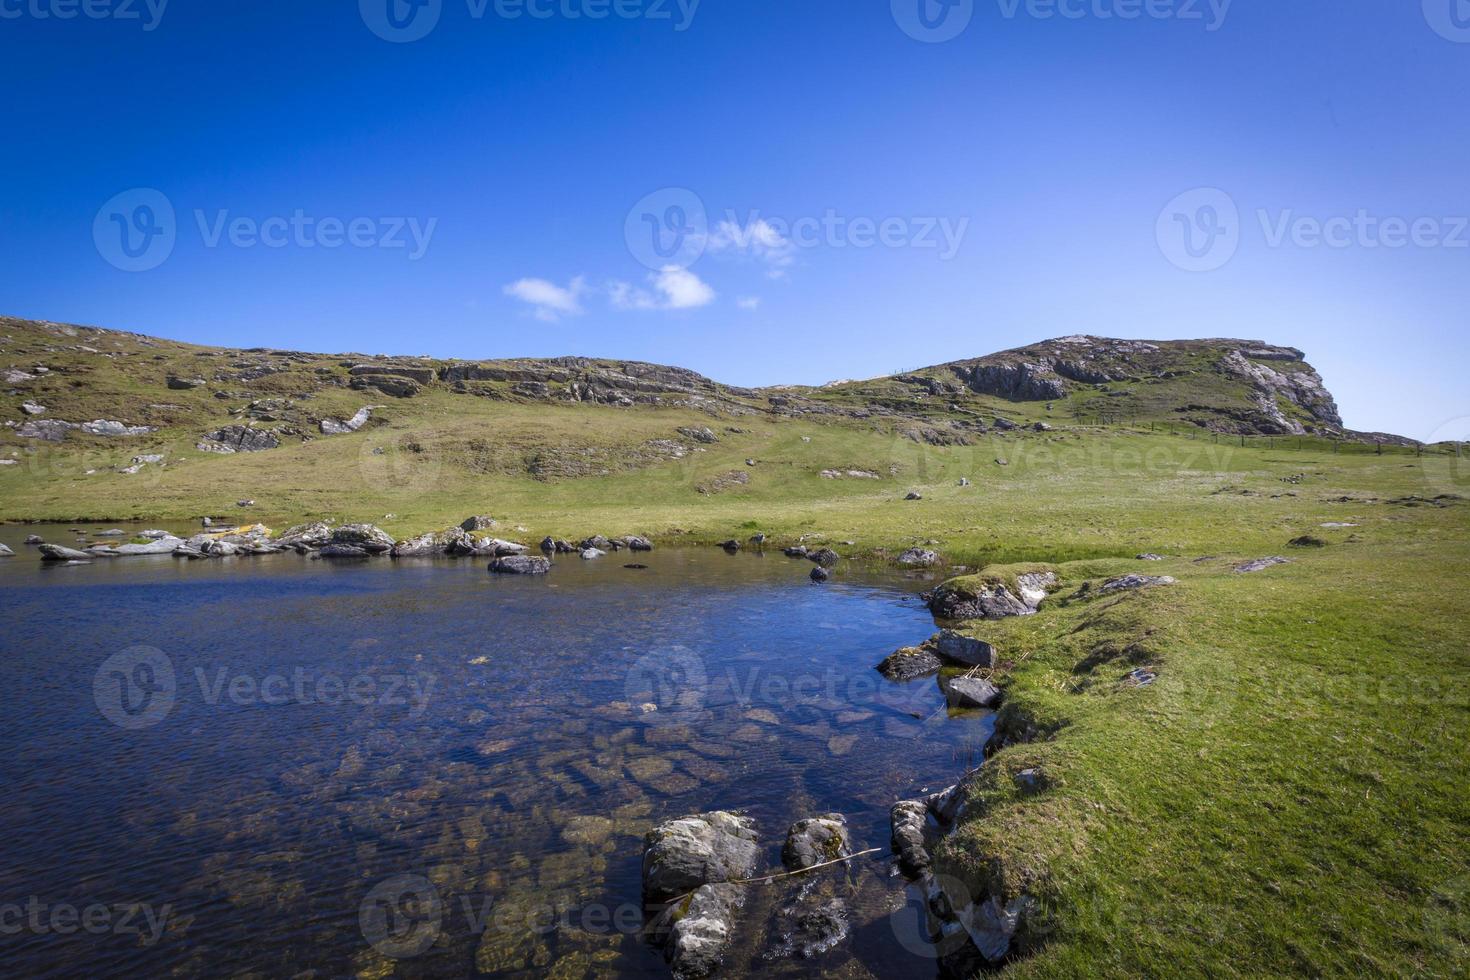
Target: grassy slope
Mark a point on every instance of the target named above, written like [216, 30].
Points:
[1280, 799]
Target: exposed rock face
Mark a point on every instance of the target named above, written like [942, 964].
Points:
[389, 385]
[1302, 388]
[335, 427]
[992, 600]
[1135, 581]
[423, 375]
[521, 565]
[371, 539]
[238, 439]
[185, 384]
[1018, 381]
[702, 434]
[312, 535]
[816, 840]
[1262, 563]
[55, 430]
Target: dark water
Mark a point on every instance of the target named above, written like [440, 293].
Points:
[215, 767]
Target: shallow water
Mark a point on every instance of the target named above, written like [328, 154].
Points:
[215, 767]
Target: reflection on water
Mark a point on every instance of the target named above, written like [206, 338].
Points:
[275, 765]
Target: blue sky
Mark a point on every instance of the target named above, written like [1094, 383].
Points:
[854, 193]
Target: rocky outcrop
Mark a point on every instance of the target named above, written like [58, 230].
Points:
[337, 427]
[370, 538]
[391, 385]
[1134, 581]
[1013, 380]
[1260, 564]
[55, 430]
[991, 600]
[1302, 387]
[238, 439]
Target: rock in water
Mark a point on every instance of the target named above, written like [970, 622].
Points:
[964, 650]
[820, 574]
[370, 538]
[681, 855]
[908, 819]
[5, 551]
[971, 692]
[637, 543]
[816, 840]
[55, 552]
[34, 539]
[910, 663]
[157, 546]
[521, 565]
[696, 932]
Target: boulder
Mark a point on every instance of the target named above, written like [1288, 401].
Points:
[708, 848]
[498, 548]
[597, 541]
[5, 551]
[910, 663]
[220, 549]
[396, 387]
[520, 565]
[908, 818]
[31, 408]
[703, 434]
[636, 542]
[813, 922]
[1149, 556]
[450, 541]
[590, 554]
[921, 557]
[825, 557]
[993, 600]
[1134, 581]
[913, 495]
[343, 551]
[816, 840]
[55, 552]
[820, 574]
[795, 551]
[34, 539]
[480, 523]
[731, 545]
[970, 692]
[185, 384]
[965, 650]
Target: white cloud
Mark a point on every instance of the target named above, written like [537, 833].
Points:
[758, 239]
[550, 301]
[674, 288]
[749, 302]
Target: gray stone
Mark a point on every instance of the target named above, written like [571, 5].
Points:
[964, 650]
[238, 439]
[1148, 556]
[31, 408]
[158, 546]
[5, 551]
[820, 574]
[908, 819]
[479, 523]
[910, 663]
[55, 552]
[825, 557]
[922, 557]
[913, 495]
[185, 384]
[336, 427]
[971, 692]
[343, 551]
[697, 933]
[589, 554]
[1261, 563]
[312, 535]
[636, 542]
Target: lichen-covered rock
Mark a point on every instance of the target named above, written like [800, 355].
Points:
[816, 840]
[238, 439]
[478, 523]
[908, 819]
[312, 535]
[368, 537]
[992, 600]
[825, 557]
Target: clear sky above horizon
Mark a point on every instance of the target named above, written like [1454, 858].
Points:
[764, 192]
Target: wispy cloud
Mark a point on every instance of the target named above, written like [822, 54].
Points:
[749, 302]
[757, 239]
[674, 288]
[549, 301]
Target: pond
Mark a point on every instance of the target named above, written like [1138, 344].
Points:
[218, 767]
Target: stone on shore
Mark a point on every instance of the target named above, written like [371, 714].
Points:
[964, 650]
[970, 692]
[910, 663]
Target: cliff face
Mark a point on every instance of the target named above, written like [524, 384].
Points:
[1221, 384]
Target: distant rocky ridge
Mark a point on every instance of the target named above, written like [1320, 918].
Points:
[1219, 385]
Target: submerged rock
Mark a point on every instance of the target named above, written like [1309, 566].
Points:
[908, 819]
[696, 932]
